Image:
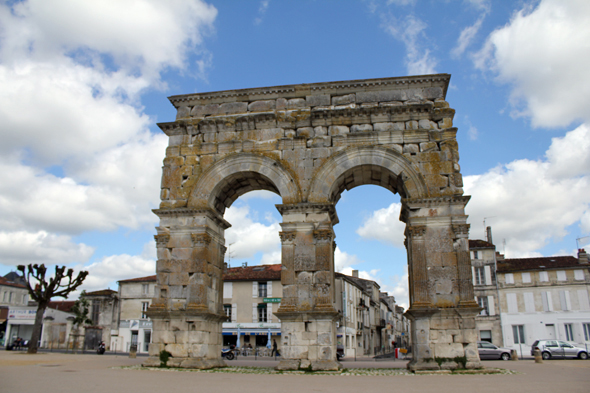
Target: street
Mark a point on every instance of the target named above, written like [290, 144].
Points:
[58, 372]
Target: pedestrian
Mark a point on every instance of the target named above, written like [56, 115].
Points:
[274, 352]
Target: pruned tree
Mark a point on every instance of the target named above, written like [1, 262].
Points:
[44, 289]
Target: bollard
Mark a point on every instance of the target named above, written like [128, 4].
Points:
[133, 351]
[538, 357]
[513, 355]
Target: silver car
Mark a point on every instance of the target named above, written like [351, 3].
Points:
[490, 351]
[559, 349]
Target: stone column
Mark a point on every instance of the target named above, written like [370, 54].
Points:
[187, 309]
[307, 311]
[442, 308]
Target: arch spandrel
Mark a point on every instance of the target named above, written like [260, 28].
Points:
[268, 173]
[409, 180]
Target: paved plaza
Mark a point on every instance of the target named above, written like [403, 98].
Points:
[58, 372]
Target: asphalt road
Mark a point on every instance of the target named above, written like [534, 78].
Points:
[67, 373]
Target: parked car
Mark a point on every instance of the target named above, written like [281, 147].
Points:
[490, 351]
[560, 349]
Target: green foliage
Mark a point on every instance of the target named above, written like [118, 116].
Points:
[81, 310]
[164, 356]
[460, 360]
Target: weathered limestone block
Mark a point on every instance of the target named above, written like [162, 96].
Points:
[232, 108]
[361, 128]
[428, 146]
[320, 131]
[412, 125]
[307, 132]
[338, 130]
[344, 100]
[318, 100]
[261, 106]
[380, 96]
[411, 148]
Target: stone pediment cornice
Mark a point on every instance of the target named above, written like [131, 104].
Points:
[303, 90]
[310, 208]
[189, 212]
[437, 201]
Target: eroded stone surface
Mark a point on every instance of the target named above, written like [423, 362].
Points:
[309, 143]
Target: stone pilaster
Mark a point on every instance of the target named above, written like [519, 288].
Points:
[187, 311]
[442, 308]
[307, 310]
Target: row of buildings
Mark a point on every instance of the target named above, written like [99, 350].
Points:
[528, 299]
[371, 321]
[522, 300]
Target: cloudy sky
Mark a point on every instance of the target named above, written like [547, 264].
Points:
[84, 83]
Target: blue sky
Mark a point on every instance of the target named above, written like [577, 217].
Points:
[84, 84]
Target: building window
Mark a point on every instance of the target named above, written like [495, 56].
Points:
[10, 297]
[262, 289]
[586, 331]
[4, 296]
[480, 278]
[561, 275]
[526, 278]
[262, 312]
[564, 298]
[145, 289]
[483, 303]
[227, 309]
[485, 335]
[578, 274]
[518, 334]
[144, 308]
[543, 277]
[569, 332]
[95, 311]
[509, 278]
[547, 301]
[512, 303]
[476, 255]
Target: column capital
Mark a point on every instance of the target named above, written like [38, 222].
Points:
[461, 230]
[287, 236]
[314, 208]
[323, 235]
[162, 239]
[416, 231]
[200, 239]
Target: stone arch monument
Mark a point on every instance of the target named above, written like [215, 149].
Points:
[308, 143]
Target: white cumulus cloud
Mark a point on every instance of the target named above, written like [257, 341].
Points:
[384, 225]
[534, 201]
[543, 53]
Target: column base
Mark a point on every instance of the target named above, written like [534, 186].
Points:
[195, 363]
[308, 365]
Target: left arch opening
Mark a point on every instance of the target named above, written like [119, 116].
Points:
[238, 184]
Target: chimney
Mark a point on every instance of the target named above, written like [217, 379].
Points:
[489, 235]
[355, 273]
[582, 257]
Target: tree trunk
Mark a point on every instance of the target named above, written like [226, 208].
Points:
[33, 342]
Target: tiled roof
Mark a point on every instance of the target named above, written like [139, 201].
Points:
[102, 292]
[63, 305]
[252, 273]
[4, 281]
[141, 279]
[541, 263]
[476, 243]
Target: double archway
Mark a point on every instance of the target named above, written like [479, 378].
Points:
[309, 143]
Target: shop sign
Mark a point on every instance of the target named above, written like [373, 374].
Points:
[272, 300]
[21, 314]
